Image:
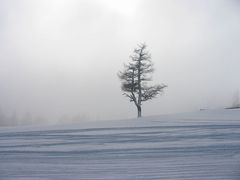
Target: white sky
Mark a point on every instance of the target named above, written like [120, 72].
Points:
[60, 57]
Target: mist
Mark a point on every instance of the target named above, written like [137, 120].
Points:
[59, 59]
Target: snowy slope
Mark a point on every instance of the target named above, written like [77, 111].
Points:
[197, 146]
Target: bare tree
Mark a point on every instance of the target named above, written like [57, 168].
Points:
[135, 76]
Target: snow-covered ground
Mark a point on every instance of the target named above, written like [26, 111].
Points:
[201, 145]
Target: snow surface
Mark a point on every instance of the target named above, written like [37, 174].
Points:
[197, 146]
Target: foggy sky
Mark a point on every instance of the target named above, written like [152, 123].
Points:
[60, 58]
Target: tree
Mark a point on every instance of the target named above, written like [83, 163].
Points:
[135, 76]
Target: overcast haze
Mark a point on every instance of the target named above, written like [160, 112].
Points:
[59, 59]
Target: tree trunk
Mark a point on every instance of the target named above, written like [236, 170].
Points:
[139, 109]
[139, 86]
